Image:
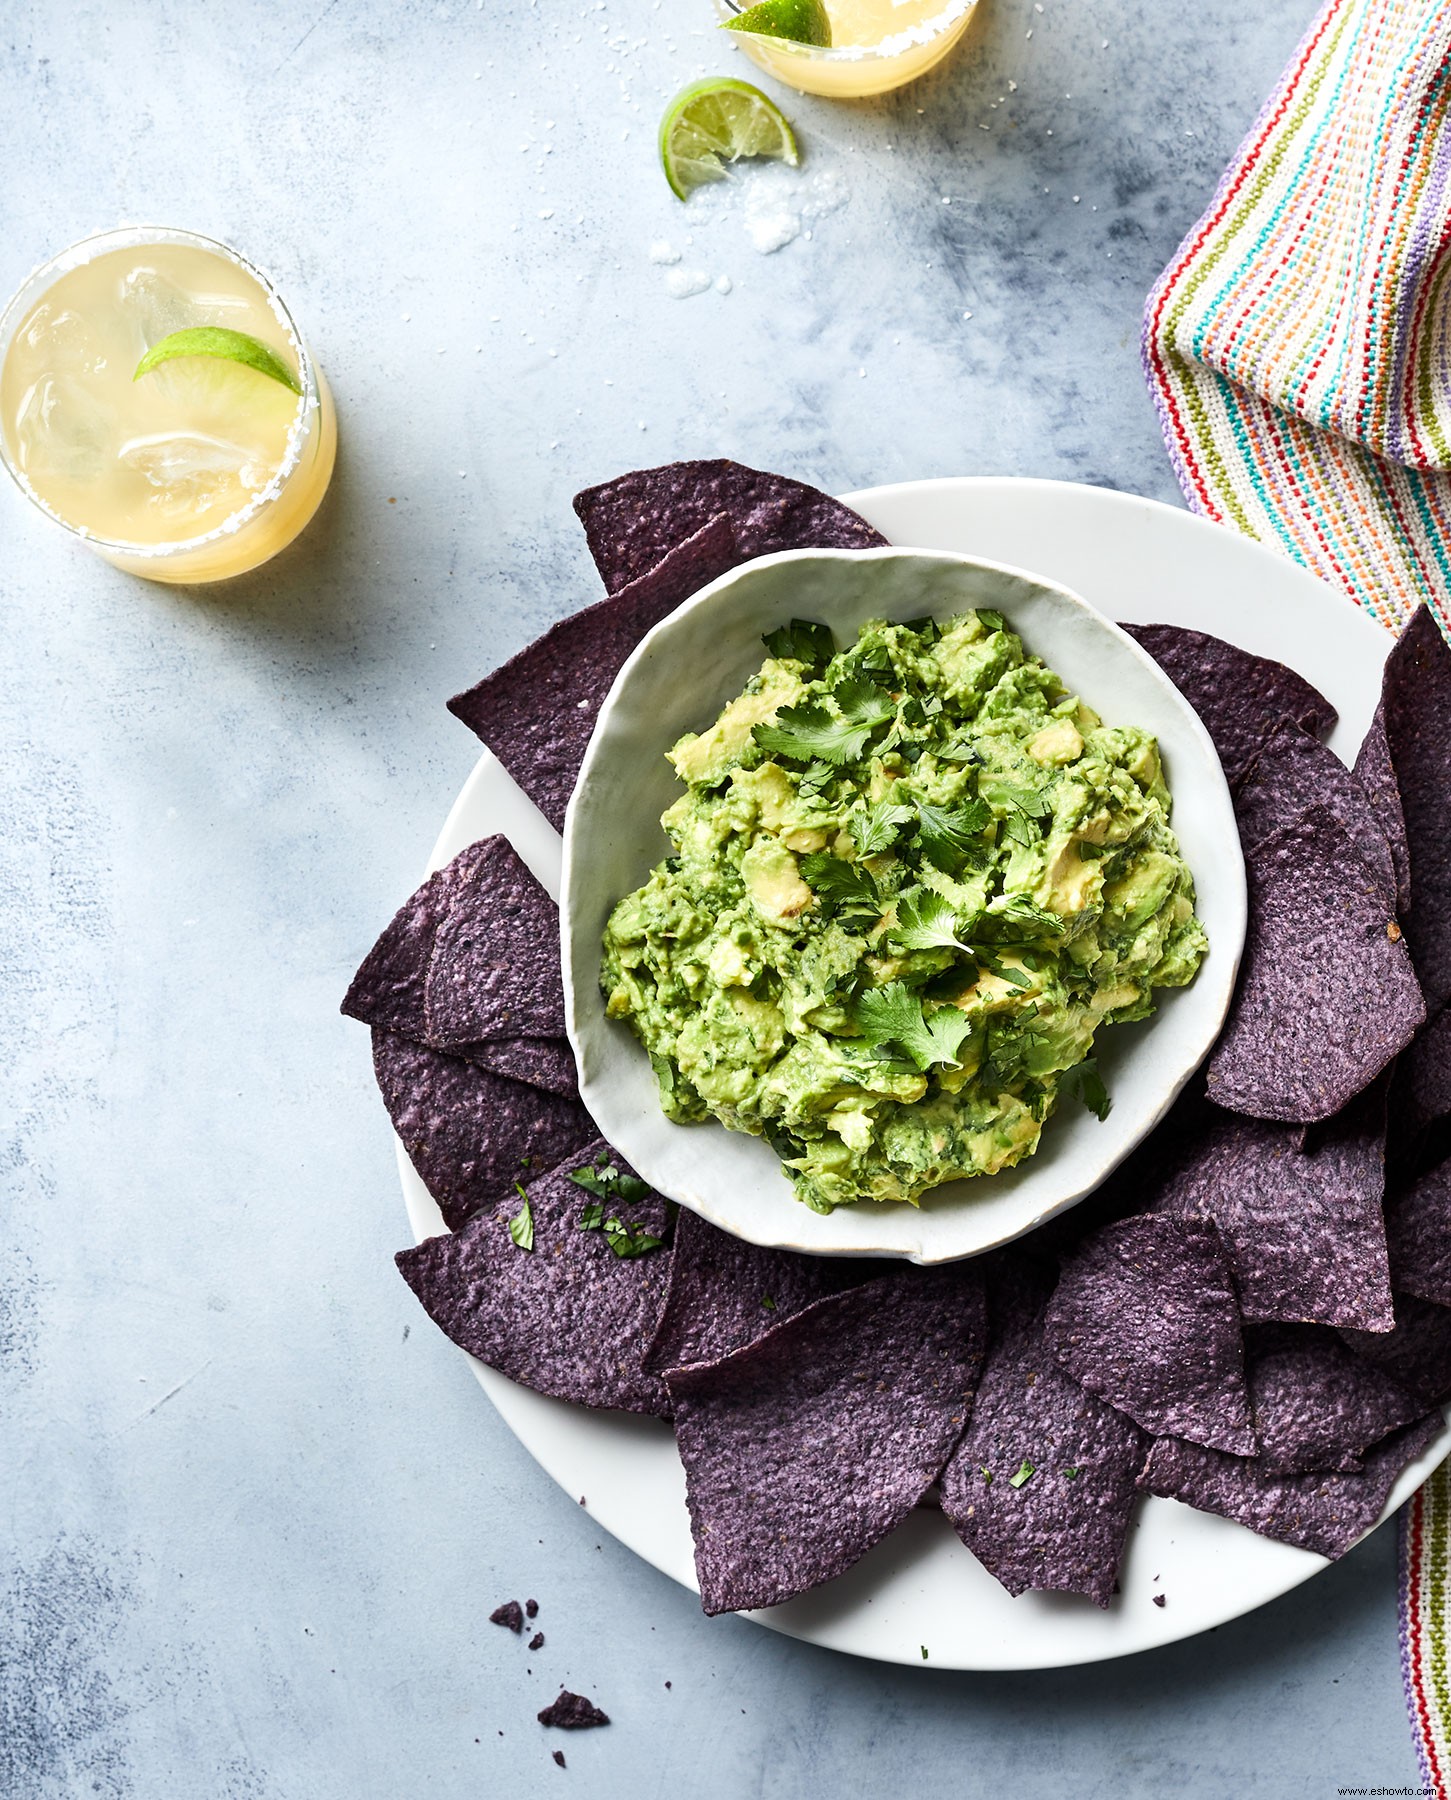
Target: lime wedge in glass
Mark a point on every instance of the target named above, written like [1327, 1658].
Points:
[717, 121]
[217, 341]
[802, 21]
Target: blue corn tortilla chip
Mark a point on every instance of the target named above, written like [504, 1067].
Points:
[1294, 772]
[1145, 1316]
[635, 521]
[537, 712]
[725, 1292]
[1316, 1405]
[1418, 1232]
[546, 1063]
[1376, 774]
[469, 1132]
[572, 1712]
[808, 1446]
[1240, 697]
[1042, 1486]
[1417, 1352]
[494, 971]
[568, 1317]
[1416, 700]
[473, 955]
[1326, 995]
[1300, 1220]
[1325, 1511]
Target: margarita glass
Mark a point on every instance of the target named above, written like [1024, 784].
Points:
[201, 469]
[876, 45]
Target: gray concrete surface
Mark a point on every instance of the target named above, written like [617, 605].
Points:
[253, 1513]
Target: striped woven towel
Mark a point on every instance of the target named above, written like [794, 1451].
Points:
[1299, 344]
[1298, 348]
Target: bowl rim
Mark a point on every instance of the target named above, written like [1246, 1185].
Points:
[576, 851]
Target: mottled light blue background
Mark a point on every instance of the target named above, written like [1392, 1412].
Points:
[253, 1511]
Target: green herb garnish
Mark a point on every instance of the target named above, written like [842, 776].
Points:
[521, 1226]
[893, 1015]
[804, 641]
[1024, 1475]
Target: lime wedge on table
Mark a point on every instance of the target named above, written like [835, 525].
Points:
[218, 341]
[717, 121]
[802, 21]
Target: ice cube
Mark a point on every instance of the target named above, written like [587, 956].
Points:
[191, 471]
[60, 432]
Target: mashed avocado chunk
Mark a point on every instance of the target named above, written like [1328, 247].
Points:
[911, 880]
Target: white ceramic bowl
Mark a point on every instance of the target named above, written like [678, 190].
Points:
[678, 680]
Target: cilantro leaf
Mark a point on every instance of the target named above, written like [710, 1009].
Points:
[863, 702]
[959, 748]
[629, 1239]
[893, 1015]
[603, 1179]
[1024, 1475]
[592, 1216]
[803, 641]
[1022, 805]
[992, 618]
[815, 777]
[1016, 917]
[841, 886]
[1084, 1080]
[521, 1226]
[1004, 971]
[876, 828]
[947, 834]
[925, 921]
[808, 733]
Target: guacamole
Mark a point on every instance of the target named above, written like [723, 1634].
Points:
[911, 881]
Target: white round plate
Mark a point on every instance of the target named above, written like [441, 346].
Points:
[612, 840]
[1132, 559]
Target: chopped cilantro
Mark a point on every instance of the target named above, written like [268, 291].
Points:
[926, 921]
[630, 1239]
[1071, 1474]
[602, 1178]
[875, 829]
[987, 1475]
[1084, 1080]
[992, 618]
[768, 1303]
[592, 1216]
[521, 1226]
[841, 886]
[947, 834]
[893, 1015]
[809, 733]
[1024, 1475]
[804, 641]
[924, 1653]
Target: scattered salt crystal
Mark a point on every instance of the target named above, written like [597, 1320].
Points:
[723, 284]
[663, 253]
[548, 213]
[682, 284]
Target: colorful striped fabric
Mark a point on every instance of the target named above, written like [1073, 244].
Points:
[1425, 1527]
[1298, 349]
[1299, 344]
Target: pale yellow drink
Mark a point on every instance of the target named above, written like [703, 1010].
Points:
[875, 45]
[200, 469]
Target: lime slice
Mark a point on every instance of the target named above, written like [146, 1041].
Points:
[802, 21]
[720, 120]
[218, 341]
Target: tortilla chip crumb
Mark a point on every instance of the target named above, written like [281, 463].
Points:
[510, 1615]
[1158, 1599]
[1393, 932]
[559, 1758]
